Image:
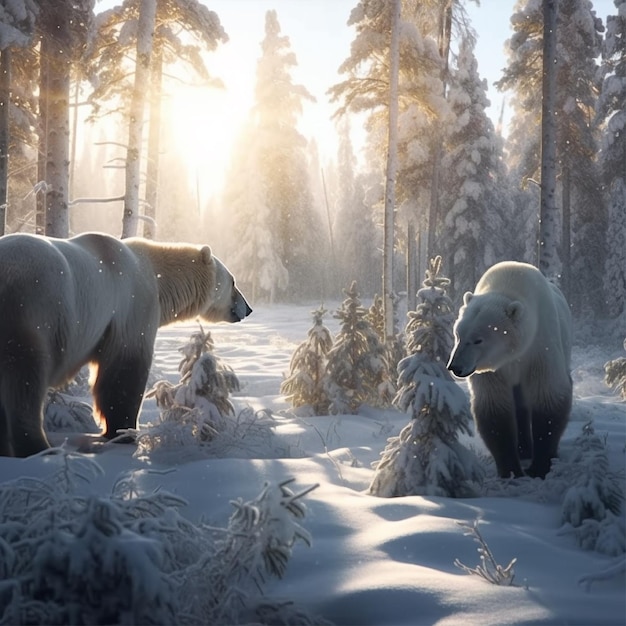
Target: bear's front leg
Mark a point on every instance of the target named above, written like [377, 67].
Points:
[549, 422]
[493, 408]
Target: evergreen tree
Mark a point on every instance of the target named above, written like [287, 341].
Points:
[253, 256]
[591, 507]
[473, 226]
[205, 384]
[426, 458]
[612, 112]
[278, 154]
[356, 245]
[304, 386]
[357, 371]
[578, 43]
[422, 108]
[615, 374]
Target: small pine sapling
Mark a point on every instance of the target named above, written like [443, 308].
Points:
[205, 383]
[395, 346]
[197, 412]
[592, 506]
[304, 386]
[615, 374]
[426, 458]
[357, 371]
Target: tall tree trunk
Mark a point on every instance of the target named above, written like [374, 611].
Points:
[392, 166]
[411, 266]
[5, 95]
[154, 145]
[566, 238]
[444, 39]
[548, 224]
[42, 138]
[145, 35]
[58, 158]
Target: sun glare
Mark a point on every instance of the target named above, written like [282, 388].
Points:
[205, 123]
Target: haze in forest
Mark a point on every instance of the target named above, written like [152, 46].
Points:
[238, 148]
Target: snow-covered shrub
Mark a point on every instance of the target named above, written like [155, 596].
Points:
[357, 371]
[248, 434]
[71, 558]
[304, 385]
[489, 569]
[591, 510]
[426, 458]
[198, 414]
[205, 382]
[64, 412]
[615, 374]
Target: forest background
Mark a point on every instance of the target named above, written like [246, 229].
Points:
[95, 99]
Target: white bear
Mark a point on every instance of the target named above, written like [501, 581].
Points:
[94, 299]
[513, 340]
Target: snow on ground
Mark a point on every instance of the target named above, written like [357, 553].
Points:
[373, 560]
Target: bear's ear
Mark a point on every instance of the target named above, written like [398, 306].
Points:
[206, 255]
[467, 297]
[515, 310]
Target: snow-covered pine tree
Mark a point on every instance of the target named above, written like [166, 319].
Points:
[304, 386]
[615, 374]
[426, 458]
[612, 113]
[357, 371]
[395, 345]
[592, 506]
[200, 400]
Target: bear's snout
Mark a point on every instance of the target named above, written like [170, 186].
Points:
[459, 370]
[240, 309]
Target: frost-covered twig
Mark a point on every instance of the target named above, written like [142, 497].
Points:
[489, 569]
[70, 558]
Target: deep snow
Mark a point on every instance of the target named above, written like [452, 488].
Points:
[374, 560]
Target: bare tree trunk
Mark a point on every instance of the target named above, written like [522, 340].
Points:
[548, 218]
[392, 166]
[154, 145]
[57, 160]
[412, 267]
[5, 91]
[42, 139]
[566, 276]
[444, 39]
[145, 34]
[58, 157]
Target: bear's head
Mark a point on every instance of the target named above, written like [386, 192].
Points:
[488, 334]
[226, 303]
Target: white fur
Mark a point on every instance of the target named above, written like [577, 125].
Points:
[94, 299]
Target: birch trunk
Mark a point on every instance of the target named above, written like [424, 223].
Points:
[145, 34]
[392, 166]
[57, 223]
[548, 224]
[154, 146]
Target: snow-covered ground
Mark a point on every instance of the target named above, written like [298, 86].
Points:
[374, 560]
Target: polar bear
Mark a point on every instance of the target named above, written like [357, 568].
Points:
[513, 340]
[98, 300]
